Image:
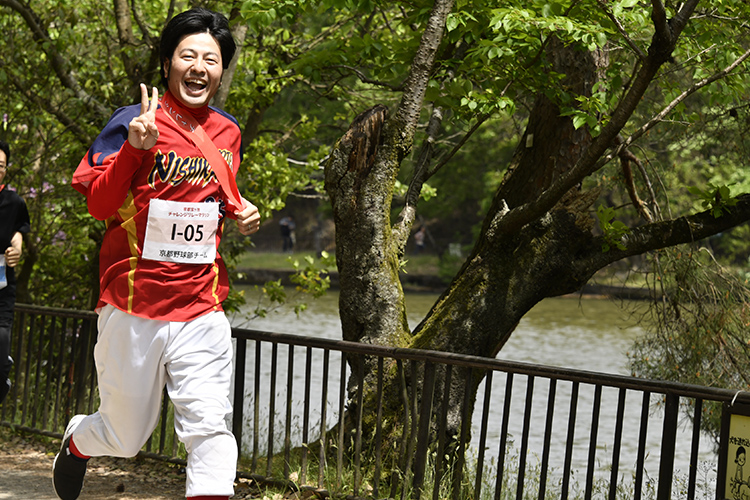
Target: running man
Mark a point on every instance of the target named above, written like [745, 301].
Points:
[161, 174]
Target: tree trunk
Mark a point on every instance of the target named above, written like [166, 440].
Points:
[506, 274]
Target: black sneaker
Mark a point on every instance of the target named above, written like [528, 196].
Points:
[67, 469]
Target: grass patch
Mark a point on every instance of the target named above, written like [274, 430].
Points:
[270, 260]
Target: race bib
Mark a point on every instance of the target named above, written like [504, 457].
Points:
[182, 232]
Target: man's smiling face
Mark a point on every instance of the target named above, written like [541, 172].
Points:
[195, 70]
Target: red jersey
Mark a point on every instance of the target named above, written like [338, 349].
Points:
[119, 182]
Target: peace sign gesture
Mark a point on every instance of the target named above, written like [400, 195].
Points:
[142, 130]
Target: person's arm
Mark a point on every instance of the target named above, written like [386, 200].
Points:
[13, 252]
[106, 185]
[109, 189]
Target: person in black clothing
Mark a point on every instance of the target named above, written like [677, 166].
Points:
[287, 226]
[15, 222]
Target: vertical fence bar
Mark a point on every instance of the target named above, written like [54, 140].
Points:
[83, 372]
[464, 438]
[256, 407]
[89, 366]
[525, 437]
[342, 409]
[413, 425]
[641, 457]
[547, 438]
[591, 467]
[569, 441]
[60, 376]
[617, 445]
[323, 417]
[400, 458]
[441, 429]
[238, 402]
[25, 404]
[423, 438]
[50, 371]
[306, 416]
[668, 442]
[93, 388]
[358, 435]
[503, 436]
[378, 431]
[38, 403]
[272, 406]
[76, 368]
[73, 370]
[695, 447]
[288, 421]
[22, 334]
[483, 433]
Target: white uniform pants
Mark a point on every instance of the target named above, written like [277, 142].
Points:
[134, 358]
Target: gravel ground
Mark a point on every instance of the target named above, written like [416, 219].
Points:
[26, 473]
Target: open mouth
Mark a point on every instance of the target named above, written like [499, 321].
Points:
[195, 86]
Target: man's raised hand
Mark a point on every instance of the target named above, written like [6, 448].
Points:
[142, 130]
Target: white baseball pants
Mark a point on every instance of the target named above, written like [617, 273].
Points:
[135, 357]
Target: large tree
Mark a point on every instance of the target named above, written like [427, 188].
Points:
[591, 74]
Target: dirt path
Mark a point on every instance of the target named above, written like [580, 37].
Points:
[26, 474]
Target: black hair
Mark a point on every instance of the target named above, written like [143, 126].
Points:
[5, 148]
[197, 20]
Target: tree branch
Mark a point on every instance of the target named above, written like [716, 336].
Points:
[58, 63]
[406, 218]
[365, 79]
[661, 24]
[480, 120]
[593, 158]
[124, 25]
[641, 55]
[687, 229]
[677, 100]
[83, 137]
[410, 106]
[239, 32]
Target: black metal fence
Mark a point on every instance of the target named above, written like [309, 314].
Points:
[534, 432]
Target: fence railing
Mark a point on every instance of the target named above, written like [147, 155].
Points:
[531, 431]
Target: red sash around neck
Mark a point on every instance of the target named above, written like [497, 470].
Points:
[187, 122]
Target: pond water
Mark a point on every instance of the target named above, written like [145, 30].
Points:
[586, 334]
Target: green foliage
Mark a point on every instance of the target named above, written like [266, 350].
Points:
[612, 230]
[697, 328]
[718, 199]
[310, 277]
[269, 177]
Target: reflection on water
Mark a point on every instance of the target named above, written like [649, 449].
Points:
[589, 334]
